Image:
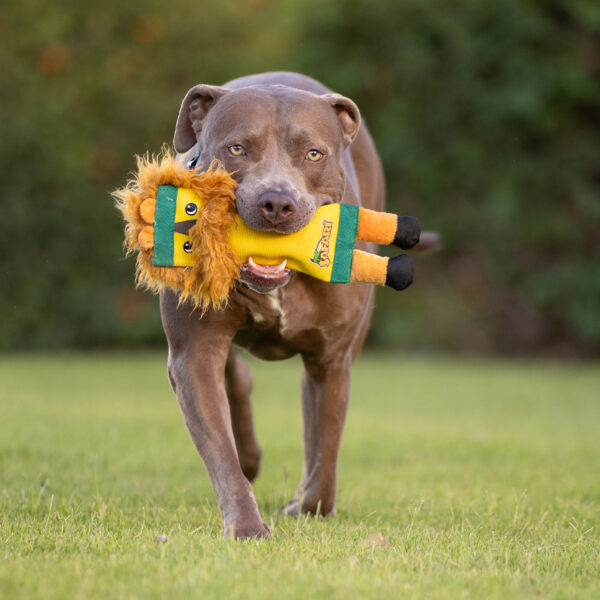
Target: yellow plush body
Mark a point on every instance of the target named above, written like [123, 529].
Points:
[311, 250]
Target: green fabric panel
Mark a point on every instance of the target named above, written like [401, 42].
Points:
[344, 247]
[164, 221]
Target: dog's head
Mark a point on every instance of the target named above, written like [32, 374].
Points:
[282, 145]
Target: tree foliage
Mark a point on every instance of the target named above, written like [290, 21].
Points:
[486, 116]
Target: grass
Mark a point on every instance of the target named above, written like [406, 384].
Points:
[483, 478]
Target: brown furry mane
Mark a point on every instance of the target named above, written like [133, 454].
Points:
[208, 283]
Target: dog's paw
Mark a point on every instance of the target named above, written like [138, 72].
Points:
[245, 530]
[291, 509]
[297, 507]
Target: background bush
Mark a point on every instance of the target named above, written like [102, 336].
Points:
[486, 116]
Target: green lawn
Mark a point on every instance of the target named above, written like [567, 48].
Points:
[484, 478]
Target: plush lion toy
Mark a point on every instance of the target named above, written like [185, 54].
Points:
[184, 226]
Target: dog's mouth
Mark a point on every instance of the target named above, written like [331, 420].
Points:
[264, 278]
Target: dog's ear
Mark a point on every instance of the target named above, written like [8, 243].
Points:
[347, 114]
[194, 108]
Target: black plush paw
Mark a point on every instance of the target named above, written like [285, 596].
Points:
[400, 272]
[408, 231]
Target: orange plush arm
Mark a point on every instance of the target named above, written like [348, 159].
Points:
[384, 228]
[387, 228]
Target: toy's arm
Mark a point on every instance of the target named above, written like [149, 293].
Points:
[396, 272]
[385, 228]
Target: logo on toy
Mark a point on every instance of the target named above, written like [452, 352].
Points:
[321, 255]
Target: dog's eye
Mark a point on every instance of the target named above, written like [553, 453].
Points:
[314, 155]
[237, 150]
[191, 208]
[187, 247]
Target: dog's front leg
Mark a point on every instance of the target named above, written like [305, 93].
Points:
[325, 397]
[197, 357]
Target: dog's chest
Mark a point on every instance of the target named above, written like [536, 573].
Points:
[270, 313]
[276, 328]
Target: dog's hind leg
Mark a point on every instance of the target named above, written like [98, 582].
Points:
[238, 383]
[325, 399]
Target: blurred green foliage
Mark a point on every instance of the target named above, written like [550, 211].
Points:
[487, 117]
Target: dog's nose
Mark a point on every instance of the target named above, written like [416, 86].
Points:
[276, 207]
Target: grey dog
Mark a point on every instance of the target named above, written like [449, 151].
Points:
[293, 146]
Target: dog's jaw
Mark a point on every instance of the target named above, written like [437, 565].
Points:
[264, 278]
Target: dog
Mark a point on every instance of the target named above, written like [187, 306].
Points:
[292, 145]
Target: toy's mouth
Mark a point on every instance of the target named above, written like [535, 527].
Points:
[264, 278]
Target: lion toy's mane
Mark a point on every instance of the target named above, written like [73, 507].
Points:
[208, 283]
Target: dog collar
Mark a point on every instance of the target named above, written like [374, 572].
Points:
[192, 163]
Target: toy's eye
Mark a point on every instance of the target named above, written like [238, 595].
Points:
[191, 209]
[314, 155]
[187, 247]
[237, 150]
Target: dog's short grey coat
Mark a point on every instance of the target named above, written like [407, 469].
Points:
[276, 118]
